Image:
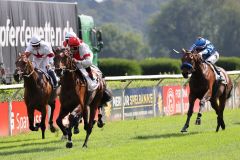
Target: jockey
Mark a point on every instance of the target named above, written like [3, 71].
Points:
[208, 53]
[42, 56]
[83, 56]
[67, 36]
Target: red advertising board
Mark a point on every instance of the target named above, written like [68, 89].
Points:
[4, 119]
[172, 100]
[19, 118]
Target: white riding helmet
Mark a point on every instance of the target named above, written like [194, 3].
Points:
[35, 40]
[70, 34]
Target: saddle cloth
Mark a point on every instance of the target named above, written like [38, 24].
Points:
[216, 75]
[49, 78]
[92, 84]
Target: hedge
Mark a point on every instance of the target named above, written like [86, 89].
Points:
[119, 67]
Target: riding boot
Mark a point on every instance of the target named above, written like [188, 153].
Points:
[88, 69]
[220, 78]
[53, 76]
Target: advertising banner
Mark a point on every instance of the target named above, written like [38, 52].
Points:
[4, 130]
[20, 20]
[139, 102]
[19, 118]
[113, 110]
[172, 103]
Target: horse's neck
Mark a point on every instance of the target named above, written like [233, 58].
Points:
[201, 72]
[30, 80]
[68, 80]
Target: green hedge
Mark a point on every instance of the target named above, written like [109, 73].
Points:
[229, 63]
[119, 67]
[154, 66]
[160, 66]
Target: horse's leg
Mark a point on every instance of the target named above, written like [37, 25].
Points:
[76, 126]
[30, 112]
[42, 123]
[61, 115]
[215, 106]
[93, 109]
[202, 102]
[73, 119]
[189, 114]
[69, 143]
[222, 103]
[100, 123]
[52, 105]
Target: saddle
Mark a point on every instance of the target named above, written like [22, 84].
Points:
[92, 84]
[217, 69]
[48, 77]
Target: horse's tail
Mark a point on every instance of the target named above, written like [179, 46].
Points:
[230, 92]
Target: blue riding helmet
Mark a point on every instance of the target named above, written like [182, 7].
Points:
[200, 43]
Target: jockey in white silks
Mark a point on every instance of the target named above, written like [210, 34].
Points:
[42, 56]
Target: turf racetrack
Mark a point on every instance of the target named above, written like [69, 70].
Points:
[144, 139]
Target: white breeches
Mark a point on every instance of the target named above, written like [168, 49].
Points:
[213, 58]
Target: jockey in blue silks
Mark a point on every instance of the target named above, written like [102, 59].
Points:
[208, 53]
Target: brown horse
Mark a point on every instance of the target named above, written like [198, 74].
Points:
[38, 92]
[205, 87]
[75, 97]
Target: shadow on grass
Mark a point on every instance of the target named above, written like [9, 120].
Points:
[236, 123]
[27, 151]
[32, 143]
[169, 135]
[18, 140]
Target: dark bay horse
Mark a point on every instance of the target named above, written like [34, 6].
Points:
[75, 97]
[205, 87]
[38, 92]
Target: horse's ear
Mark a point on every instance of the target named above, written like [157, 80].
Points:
[184, 51]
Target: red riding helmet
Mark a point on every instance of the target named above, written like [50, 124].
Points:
[73, 42]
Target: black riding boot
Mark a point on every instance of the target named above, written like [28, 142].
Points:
[53, 76]
[88, 69]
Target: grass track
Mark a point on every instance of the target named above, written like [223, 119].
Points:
[144, 139]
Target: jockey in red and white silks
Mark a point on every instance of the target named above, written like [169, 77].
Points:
[82, 54]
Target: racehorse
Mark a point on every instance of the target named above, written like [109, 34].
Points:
[75, 97]
[205, 87]
[38, 92]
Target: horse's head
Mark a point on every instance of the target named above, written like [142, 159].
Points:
[63, 61]
[23, 67]
[190, 62]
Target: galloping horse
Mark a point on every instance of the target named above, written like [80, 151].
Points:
[75, 97]
[205, 87]
[38, 92]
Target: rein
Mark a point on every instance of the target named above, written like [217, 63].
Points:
[28, 75]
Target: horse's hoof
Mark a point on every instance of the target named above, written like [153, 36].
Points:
[100, 124]
[64, 137]
[84, 145]
[38, 125]
[184, 129]
[76, 131]
[52, 129]
[69, 144]
[198, 121]
[217, 129]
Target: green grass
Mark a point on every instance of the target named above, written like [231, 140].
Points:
[143, 139]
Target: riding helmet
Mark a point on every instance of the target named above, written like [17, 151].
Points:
[200, 43]
[35, 40]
